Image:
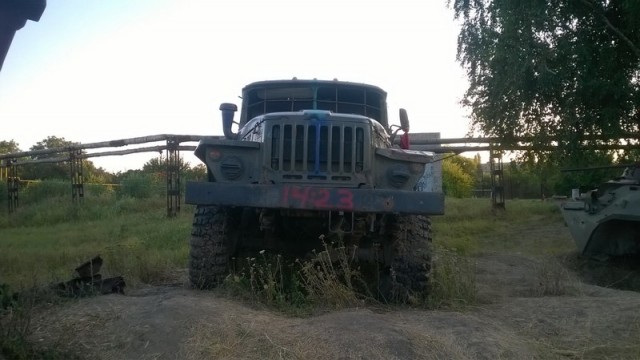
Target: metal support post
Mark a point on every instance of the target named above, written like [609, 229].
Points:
[77, 179]
[13, 183]
[497, 179]
[173, 177]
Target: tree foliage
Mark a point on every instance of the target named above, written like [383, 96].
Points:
[52, 170]
[552, 69]
[456, 182]
[8, 147]
[60, 170]
[158, 166]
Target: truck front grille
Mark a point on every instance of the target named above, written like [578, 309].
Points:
[312, 150]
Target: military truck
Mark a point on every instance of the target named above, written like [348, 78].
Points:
[312, 159]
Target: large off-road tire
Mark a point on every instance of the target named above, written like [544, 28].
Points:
[408, 256]
[213, 243]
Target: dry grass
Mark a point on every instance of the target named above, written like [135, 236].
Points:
[239, 338]
[330, 279]
[582, 336]
[438, 346]
[234, 338]
[554, 279]
[17, 313]
[333, 278]
[453, 281]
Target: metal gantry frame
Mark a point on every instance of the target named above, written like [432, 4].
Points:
[419, 141]
[173, 177]
[75, 155]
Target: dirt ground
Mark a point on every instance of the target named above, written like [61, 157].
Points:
[527, 309]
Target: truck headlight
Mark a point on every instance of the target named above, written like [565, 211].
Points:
[398, 176]
[231, 167]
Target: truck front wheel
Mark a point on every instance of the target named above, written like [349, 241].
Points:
[213, 243]
[408, 255]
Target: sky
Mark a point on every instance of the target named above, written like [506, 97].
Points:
[95, 70]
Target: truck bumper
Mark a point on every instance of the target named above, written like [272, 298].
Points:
[287, 196]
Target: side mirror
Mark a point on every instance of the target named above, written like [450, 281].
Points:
[404, 120]
[228, 111]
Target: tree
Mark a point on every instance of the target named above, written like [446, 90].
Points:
[158, 166]
[196, 172]
[468, 165]
[8, 147]
[554, 70]
[60, 170]
[456, 182]
[47, 170]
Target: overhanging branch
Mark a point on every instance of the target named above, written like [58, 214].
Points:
[611, 27]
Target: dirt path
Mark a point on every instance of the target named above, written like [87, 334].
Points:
[519, 317]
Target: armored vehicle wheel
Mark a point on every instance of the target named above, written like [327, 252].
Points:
[213, 243]
[408, 255]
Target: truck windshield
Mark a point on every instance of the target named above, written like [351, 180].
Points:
[338, 98]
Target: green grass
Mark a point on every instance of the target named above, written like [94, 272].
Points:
[43, 243]
[470, 227]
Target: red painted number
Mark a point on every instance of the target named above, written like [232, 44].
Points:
[319, 198]
[346, 199]
[300, 194]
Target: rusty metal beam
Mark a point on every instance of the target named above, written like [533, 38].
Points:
[429, 139]
[461, 149]
[105, 153]
[419, 141]
[104, 144]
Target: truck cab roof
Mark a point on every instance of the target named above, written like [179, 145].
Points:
[343, 97]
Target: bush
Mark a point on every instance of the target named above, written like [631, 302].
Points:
[140, 185]
[3, 193]
[34, 191]
[455, 181]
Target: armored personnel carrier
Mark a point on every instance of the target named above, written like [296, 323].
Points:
[605, 222]
[312, 158]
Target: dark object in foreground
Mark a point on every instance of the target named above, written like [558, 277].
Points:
[13, 16]
[90, 282]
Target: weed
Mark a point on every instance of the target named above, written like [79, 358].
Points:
[15, 325]
[453, 281]
[266, 278]
[553, 279]
[331, 277]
